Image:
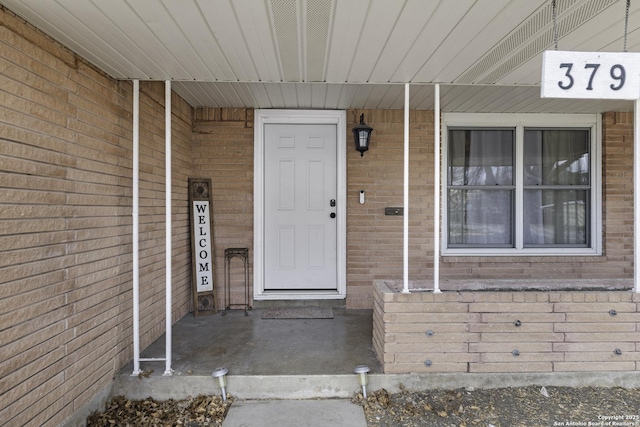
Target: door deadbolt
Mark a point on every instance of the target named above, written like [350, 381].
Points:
[332, 203]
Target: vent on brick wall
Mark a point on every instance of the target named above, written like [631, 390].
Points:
[530, 38]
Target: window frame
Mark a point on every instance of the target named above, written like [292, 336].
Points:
[519, 122]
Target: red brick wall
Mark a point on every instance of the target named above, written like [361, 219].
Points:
[65, 225]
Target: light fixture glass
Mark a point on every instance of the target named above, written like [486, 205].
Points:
[362, 136]
[220, 374]
[363, 380]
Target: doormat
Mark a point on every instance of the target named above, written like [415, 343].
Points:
[298, 313]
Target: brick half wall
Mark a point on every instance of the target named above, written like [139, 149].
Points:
[502, 331]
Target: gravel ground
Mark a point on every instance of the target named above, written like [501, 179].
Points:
[503, 407]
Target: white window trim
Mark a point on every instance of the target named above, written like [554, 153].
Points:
[519, 122]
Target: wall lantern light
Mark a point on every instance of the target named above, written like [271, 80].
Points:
[362, 136]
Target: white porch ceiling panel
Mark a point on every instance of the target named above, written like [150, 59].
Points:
[339, 53]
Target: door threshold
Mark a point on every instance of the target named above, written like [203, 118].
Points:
[298, 295]
[333, 303]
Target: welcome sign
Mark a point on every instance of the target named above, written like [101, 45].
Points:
[202, 246]
[202, 233]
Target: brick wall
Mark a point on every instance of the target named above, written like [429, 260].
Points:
[65, 225]
[223, 152]
[617, 170]
[492, 332]
[375, 240]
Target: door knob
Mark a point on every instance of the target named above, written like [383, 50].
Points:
[332, 215]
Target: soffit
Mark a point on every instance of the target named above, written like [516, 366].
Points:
[339, 53]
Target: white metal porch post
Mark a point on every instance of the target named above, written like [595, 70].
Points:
[136, 222]
[636, 196]
[405, 250]
[436, 190]
[168, 285]
[136, 268]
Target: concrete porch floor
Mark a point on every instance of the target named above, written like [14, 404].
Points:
[300, 358]
[250, 345]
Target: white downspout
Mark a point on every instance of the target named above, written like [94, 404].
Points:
[636, 197]
[436, 191]
[405, 251]
[168, 288]
[136, 222]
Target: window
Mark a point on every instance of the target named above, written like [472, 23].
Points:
[521, 184]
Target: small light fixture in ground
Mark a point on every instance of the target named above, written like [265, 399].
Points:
[220, 374]
[363, 380]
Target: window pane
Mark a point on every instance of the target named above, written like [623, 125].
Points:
[480, 217]
[481, 157]
[556, 217]
[556, 157]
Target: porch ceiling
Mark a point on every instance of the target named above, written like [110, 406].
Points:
[337, 54]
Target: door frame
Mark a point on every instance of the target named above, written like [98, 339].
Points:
[311, 117]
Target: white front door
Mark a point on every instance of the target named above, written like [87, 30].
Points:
[300, 163]
[300, 198]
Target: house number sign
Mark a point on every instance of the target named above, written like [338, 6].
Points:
[590, 75]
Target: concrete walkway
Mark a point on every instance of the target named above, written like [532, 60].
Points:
[295, 413]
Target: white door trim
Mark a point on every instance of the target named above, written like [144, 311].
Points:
[262, 117]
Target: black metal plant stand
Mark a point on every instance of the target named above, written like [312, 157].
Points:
[243, 255]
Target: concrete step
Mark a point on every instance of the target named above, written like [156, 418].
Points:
[240, 386]
[253, 387]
